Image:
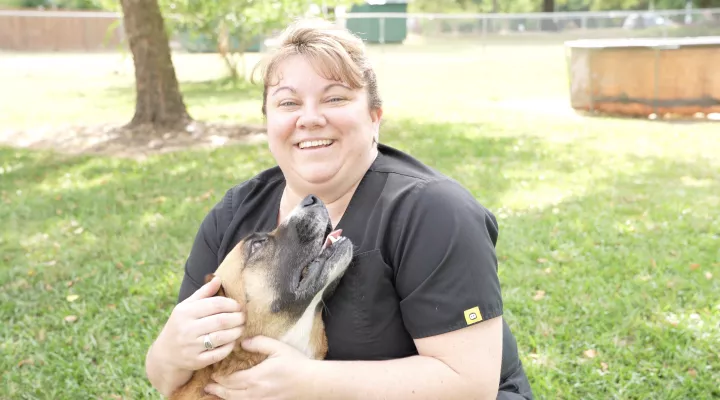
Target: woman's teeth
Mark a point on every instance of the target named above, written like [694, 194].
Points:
[315, 143]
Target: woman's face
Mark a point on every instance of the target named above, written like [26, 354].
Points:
[319, 131]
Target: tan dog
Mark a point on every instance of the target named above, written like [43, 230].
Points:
[280, 278]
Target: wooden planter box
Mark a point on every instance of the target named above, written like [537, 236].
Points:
[639, 77]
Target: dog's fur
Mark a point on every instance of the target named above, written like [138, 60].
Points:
[261, 273]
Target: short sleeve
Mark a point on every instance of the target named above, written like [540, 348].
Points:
[446, 266]
[203, 257]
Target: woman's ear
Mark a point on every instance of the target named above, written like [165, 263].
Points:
[376, 115]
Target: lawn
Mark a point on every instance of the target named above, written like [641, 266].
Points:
[609, 243]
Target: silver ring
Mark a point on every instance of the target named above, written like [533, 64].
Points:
[208, 344]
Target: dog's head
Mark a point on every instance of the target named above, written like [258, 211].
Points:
[282, 276]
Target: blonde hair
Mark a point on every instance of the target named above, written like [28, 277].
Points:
[339, 54]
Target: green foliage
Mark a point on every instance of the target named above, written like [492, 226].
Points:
[232, 26]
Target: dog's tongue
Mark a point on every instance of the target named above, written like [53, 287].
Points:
[331, 238]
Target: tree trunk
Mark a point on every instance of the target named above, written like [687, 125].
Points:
[547, 24]
[158, 99]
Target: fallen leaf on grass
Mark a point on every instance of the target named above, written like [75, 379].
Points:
[653, 263]
[590, 353]
[548, 270]
[694, 266]
[27, 361]
[692, 372]
[539, 295]
[71, 318]
[72, 297]
[604, 366]
[708, 275]
[205, 195]
[542, 260]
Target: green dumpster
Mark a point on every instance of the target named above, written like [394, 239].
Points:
[370, 29]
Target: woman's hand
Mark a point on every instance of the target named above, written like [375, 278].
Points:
[181, 341]
[285, 374]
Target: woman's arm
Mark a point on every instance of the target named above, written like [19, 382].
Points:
[463, 364]
[178, 350]
[162, 375]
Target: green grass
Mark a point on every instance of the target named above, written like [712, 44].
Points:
[614, 220]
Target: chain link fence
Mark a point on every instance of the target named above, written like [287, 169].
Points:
[533, 27]
[27, 30]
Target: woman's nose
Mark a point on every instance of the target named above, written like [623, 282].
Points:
[311, 119]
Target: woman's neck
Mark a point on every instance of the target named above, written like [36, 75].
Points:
[336, 197]
[336, 205]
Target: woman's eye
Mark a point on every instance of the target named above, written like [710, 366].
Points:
[336, 99]
[287, 103]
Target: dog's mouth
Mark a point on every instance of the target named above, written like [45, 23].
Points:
[313, 270]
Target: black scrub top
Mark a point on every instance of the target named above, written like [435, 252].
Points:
[424, 261]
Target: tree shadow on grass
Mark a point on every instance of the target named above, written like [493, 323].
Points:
[36, 165]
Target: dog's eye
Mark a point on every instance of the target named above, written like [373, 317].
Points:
[256, 245]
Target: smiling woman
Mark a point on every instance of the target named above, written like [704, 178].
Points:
[418, 313]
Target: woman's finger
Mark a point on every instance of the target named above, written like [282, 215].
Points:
[207, 290]
[216, 355]
[221, 338]
[213, 305]
[219, 322]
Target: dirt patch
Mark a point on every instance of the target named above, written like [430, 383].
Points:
[116, 140]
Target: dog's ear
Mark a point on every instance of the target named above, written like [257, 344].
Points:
[221, 291]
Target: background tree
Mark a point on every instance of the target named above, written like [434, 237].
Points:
[159, 101]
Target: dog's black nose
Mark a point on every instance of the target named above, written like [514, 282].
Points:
[310, 200]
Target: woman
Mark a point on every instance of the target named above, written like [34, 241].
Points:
[418, 315]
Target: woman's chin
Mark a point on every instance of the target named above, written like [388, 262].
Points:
[318, 173]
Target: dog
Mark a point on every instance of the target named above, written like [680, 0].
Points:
[281, 278]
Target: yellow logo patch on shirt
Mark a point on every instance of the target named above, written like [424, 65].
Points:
[473, 315]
